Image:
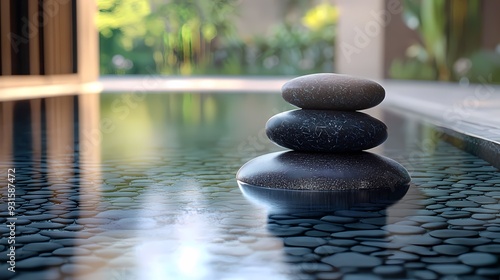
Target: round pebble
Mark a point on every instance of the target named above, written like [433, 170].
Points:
[482, 199]
[488, 248]
[304, 241]
[388, 270]
[461, 203]
[403, 229]
[360, 233]
[364, 276]
[328, 250]
[31, 238]
[361, 226]
[450, 269]
[398, 255]
[351, 259]
[450, 233]
[424, 274]
[315, 267]
[427, 219]
[437, 225]
[42, 246]
[465, 222]
[423, 240]
[467, 241]
[488, 271]
[420, 250]
[342, 242]
[478, 259]
[39, 262]
[329, 275]
[483, 216]
[332, 92]
[452, 250]
[455, 214]
[71, 251]
[325, 131]
[480, 210]
[310, 171]
[338, 219]
[297, 251]
[382, 244]
[317, 233]
[76, 269]
[357, 214]
[328, 227]
[364, 249]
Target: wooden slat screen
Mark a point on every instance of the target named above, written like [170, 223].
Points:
[38, 37]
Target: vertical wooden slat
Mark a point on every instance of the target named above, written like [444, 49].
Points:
[90, 149]
[56, 44]
[6, 129]
[41, 51]
[60, 139]
[34, 37]
[19, 37]
[88, 41]
[66, 38]
[4, 39]
[60, 143]
[36, 133]
[0, 41]
[49, 37]
[74, 24]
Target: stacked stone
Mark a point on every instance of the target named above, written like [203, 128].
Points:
[328, 120]
[327, 137]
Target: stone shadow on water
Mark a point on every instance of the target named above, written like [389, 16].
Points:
[330, 234]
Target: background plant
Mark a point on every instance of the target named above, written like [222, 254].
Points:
[450, 43]
[198, 37]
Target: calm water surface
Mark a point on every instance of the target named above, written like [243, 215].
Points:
[130, 186]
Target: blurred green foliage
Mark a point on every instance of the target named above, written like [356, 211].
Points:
[167, 37]
[198, 37]
[450, 48]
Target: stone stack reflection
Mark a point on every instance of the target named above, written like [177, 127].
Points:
[327, 136]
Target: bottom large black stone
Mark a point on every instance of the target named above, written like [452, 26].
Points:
[292, 170]
[294, 181]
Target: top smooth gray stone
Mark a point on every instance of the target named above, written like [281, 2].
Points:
[328, 91]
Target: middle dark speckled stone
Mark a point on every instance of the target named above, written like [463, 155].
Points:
[326, 131]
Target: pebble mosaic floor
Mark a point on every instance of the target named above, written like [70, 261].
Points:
[177, 213]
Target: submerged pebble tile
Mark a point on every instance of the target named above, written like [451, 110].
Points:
[352, 259]
[225, 220]
[478, 259]
[450, 269]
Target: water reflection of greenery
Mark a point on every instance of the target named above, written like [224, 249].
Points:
[142, 124]
[451, 43]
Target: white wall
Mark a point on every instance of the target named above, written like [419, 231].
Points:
[360, 36]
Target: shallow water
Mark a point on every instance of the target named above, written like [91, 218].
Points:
[130, 186]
